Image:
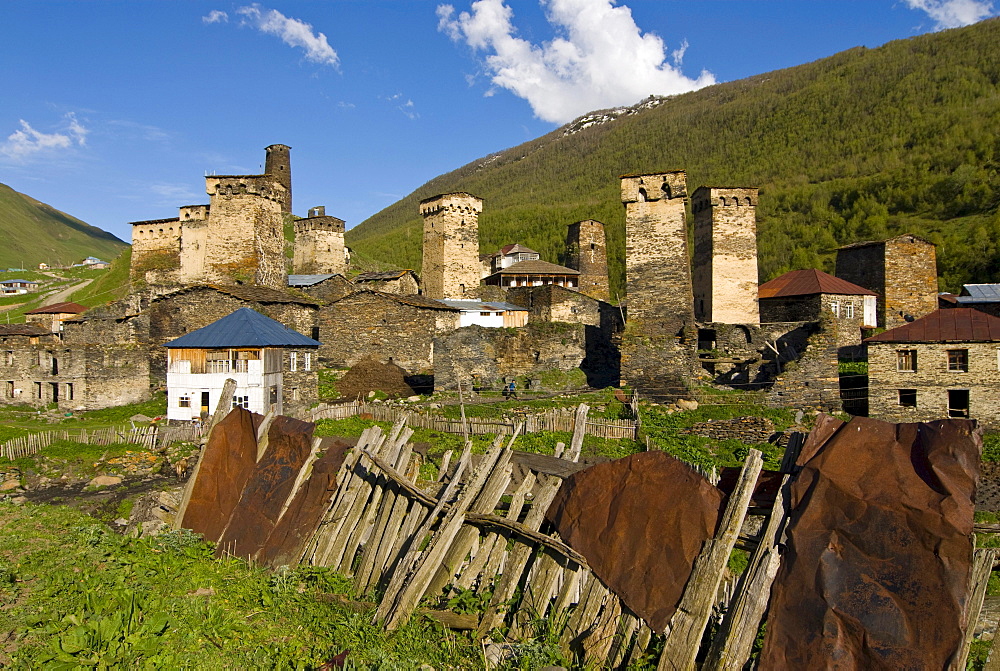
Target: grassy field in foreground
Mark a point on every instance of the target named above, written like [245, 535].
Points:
[74, 594]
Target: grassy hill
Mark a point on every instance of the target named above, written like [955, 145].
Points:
[861, 145]
[34, 232]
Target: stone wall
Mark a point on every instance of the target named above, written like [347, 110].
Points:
[76, 377]
[451, 267]
[331, 289]
[587, 251]
[382, 326]
[725, 255]
[657, 347]
[816, 307]
[902, 270]
[748, 430]
[810, 380]
[156, 250]
[489, 355]
[932, 380]
[319, 246]
[299, 387]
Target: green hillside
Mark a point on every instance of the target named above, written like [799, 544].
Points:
[861, 145]
[33, 232]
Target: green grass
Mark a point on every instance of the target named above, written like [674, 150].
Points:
[77, 595]
[109, 285]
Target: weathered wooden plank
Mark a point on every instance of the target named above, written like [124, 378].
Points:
[601, 634]
[549, 465]
[982, 563]
[733, 643]
[411, 549]
[584, 616]
[427, 564]
[628, 624]
[642, 638]
[379, 540]
[443, 471]
[688, 623]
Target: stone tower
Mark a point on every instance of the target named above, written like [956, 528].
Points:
[658, 343]
[901, 270]
[587, 251]
[451, 267]
[319, 244]
[278, 165]
[725, 255]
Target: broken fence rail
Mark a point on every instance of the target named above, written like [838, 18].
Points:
[548, 421]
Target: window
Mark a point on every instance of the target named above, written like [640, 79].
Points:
[848, 312]
[293, 361]
[10, 357]
[184, 402]
[10, 389]
[69, 391]
[307, 364]
[958, 360]
[908, 398]
[835, 308]
[273, 395]
[38, 390]
[241, 402]
[484, 314]
[958, 403]
[906, 360]
[295, 393]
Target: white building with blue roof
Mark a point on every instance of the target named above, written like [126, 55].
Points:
[273, 366]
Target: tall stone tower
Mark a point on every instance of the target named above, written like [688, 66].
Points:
[587, 251]
[319, 244]
[451, 267]
[278, 165]
[658, 343]
[725, 255]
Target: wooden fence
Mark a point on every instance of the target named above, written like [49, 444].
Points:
[147, 437]
[552, 420]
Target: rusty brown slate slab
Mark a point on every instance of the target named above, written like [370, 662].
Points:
[876, 569]
[265, 493]
[640, 522]
[287, 542]
[229, 459]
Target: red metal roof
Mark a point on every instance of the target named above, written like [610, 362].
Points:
[808, 282]
[950, 325]
[58, 308]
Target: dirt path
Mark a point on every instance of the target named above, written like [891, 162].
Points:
[63, 294]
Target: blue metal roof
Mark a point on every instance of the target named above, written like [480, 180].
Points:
[243, 328]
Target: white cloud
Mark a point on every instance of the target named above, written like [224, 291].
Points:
[175, 194]
[216, 16]
[953, 13]
[599, 57]
[26, 142]
[293, 32]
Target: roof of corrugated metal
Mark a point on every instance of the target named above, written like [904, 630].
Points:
[979, 293]
[948, 325]
[381, 276]
[307, 280]
[469, 305]
[516, 248]
[243, 328]
[808, 282]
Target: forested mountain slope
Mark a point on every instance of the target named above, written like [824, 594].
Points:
[861, 145]
[33, 232]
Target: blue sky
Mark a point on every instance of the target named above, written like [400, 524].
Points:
[115, 111]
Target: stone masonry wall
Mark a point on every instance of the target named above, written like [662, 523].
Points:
[931, 380]
[300, 387]
[77, 377]
[587, 251]
[156, 250]
[725, 255]
[812, 380]
[451, 267]
[492, 354]
[368, 324]
[658, 344]
[319, 246]
[911, 279]
[245, 241]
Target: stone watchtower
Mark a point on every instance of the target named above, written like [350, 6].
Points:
[278, 165]
[451, 267]
[319, 244]
[587, 251]
[658, 343]
[725, 255]
[901, 270]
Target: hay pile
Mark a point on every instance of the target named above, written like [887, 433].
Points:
[372, 375]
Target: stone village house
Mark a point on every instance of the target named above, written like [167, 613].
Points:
[946, 364]
[274, 367]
